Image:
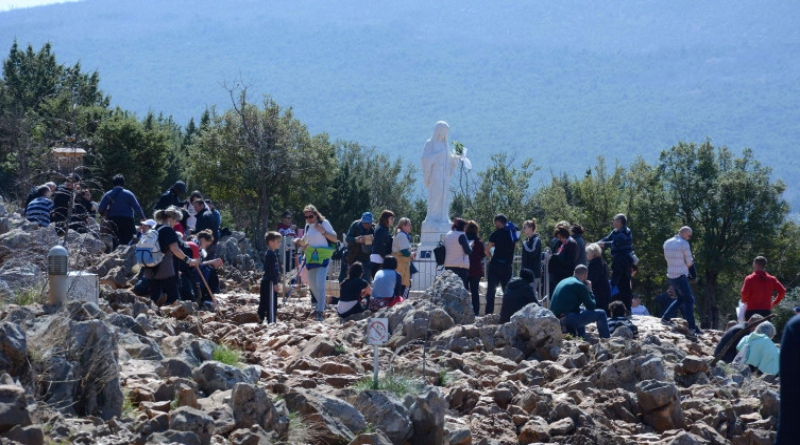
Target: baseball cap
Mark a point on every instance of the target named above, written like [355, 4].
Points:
[150, 223]
[366, 217]
[180, 186]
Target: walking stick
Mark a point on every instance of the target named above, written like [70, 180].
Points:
[296, 279]
[210, 294]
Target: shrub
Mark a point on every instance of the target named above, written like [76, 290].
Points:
[228, 356]
[397, 384]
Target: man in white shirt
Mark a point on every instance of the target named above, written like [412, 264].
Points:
[680, 269]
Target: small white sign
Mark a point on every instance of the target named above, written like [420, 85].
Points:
[377, 331]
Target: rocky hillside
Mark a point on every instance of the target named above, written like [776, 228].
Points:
[127, 372]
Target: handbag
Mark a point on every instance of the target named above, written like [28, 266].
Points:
[439, 254]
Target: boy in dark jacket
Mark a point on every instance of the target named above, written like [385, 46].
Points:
[270, 282]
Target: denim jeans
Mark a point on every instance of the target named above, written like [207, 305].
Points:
[499, 273]
[684, 300]
[575, 322]
[316, 282]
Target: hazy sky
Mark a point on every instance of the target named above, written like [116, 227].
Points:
[6, 5]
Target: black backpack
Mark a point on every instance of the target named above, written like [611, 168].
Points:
[439, 253]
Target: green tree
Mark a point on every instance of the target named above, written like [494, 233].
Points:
[250, 154]
[44, 104]
[734, 207]
[136, 149]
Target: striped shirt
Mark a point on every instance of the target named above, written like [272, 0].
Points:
[678, 254]
[38, 211]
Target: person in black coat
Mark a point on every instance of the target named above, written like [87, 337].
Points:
[788, 426]
[270, 281]
[519, 293]
[532, 252]
[598, 275]
[562, 263]
[172, 196]
[382, 243]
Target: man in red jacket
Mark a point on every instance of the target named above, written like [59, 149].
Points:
[759, 288]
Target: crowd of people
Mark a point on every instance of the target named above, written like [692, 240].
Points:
[186, 231]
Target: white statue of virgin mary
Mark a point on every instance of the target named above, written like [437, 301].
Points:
[438, 165]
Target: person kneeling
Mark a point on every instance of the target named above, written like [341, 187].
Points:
[352, 290]
[519, 293]
[386, 285]
[566, 304]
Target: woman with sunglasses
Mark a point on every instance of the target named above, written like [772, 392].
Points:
[317, 239]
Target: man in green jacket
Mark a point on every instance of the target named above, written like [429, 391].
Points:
[566, 305]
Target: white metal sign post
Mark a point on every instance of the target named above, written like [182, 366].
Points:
[377, 334]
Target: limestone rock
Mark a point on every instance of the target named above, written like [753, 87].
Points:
[374, 438]
[215, 376]
[13, 408]
[449, 294]
[660, 405]
[341, 421]
[250, 436]
[13, 348]
[29, 435]
[318, 347]
[173, 436]
[251, 406]
[427, 417]
[189, 419]
[535, 331]
[387, 414]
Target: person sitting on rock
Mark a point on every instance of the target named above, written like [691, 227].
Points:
[759, 351]
[386, 285]
[566, 304]
[352, 290]
[38, 210]
[636, 306]
[618, 318]
[519, 293]
[729, 335]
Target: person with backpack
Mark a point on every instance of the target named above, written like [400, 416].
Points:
[120, 206]
[382, 244]
[172, 197]
[157, 250]
[500, 251]
[359, 243]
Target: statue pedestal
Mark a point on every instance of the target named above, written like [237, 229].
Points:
[425, 262]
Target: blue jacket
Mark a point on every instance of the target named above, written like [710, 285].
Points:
[761, 353]
[124, 204]
[621, 241]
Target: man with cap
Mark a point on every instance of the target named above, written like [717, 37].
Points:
[359, 243]
[62, 201]
[172, 196]
[519, 293]
[119, 205]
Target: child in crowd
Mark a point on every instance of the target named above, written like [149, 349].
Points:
[636, 306]
[618, 319]
[270, 281]
[351, 291]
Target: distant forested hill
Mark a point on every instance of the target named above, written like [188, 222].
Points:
[561, 82]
